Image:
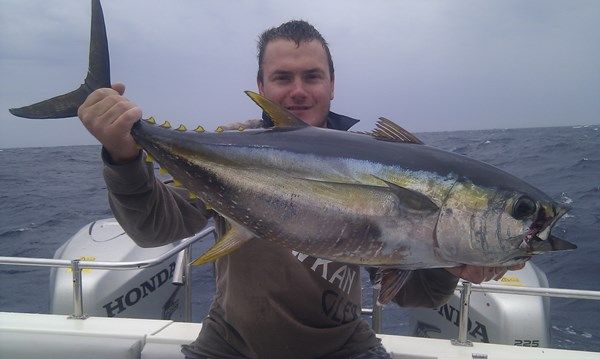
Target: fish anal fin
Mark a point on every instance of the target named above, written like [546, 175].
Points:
[388, 130]
[233, 239]
[411, 199]
[280, 116]
[390, 280]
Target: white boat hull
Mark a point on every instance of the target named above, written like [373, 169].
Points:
[25, 335]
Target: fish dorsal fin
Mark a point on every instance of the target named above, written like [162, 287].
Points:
[233, 239]
[280, 116]
[387, 130]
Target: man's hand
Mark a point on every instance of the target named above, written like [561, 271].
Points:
[476, 274]
[109, 116]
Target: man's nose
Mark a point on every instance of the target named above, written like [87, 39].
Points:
[298, 91]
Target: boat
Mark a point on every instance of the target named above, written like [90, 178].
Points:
[111, 298]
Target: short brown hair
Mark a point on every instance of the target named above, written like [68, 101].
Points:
[293, 30]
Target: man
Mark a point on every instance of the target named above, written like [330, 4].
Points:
[270, 302]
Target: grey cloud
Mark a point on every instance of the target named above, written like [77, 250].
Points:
[431, 65]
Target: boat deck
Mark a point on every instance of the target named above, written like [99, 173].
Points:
[24, 335]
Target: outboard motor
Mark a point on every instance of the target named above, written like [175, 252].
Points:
[511, 319]
[140, 293]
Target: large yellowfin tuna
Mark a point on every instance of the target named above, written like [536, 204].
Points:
[380, 199]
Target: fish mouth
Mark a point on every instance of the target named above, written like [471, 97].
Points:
[538, 238]
[552, 244]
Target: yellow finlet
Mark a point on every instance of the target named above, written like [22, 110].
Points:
[280, 116]
[163, 171]
[151, 120]
[219, 129]
[232, 240]
[199, 129]
[193, 196]
[166, 124]
[149, 158]
[241, 128]
[176, 183]
[181, 128]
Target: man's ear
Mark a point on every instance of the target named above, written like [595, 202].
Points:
[261, 87]
[332, 88]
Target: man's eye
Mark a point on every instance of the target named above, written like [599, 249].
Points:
[281, 78]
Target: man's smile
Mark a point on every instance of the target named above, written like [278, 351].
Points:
[298, 108]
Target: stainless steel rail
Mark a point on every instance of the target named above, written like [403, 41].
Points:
[542, 292]
[183, 277]
[77, 265]
[465, 298]
[466, 288]
[45, 262]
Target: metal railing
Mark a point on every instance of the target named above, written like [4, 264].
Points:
[182, 276]
[465, 293]
[466, 288]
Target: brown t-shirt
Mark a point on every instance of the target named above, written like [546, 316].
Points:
[276, 303]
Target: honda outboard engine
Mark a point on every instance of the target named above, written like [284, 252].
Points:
[511, 319]
[140, 293]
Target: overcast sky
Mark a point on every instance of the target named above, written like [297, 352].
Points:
[428, 65]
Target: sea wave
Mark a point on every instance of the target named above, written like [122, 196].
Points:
[46, 199]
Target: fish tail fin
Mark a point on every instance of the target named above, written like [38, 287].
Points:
[98, 76]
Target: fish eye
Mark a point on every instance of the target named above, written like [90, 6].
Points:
[524, 207]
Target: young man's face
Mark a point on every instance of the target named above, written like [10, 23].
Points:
[298, 78]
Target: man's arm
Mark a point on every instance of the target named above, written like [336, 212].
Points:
[431, 288]
[151, 213]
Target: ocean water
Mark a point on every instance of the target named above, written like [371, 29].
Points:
[47, 194]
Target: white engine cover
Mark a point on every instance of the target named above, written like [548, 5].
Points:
[142, 293]
[520, 320]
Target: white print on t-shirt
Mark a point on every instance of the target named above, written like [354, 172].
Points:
[344, 275]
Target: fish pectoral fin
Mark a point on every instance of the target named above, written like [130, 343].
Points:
[411, 199]
[388, 130]
[407, 198]
[233, 239]
[390, 280]
[279, 115]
